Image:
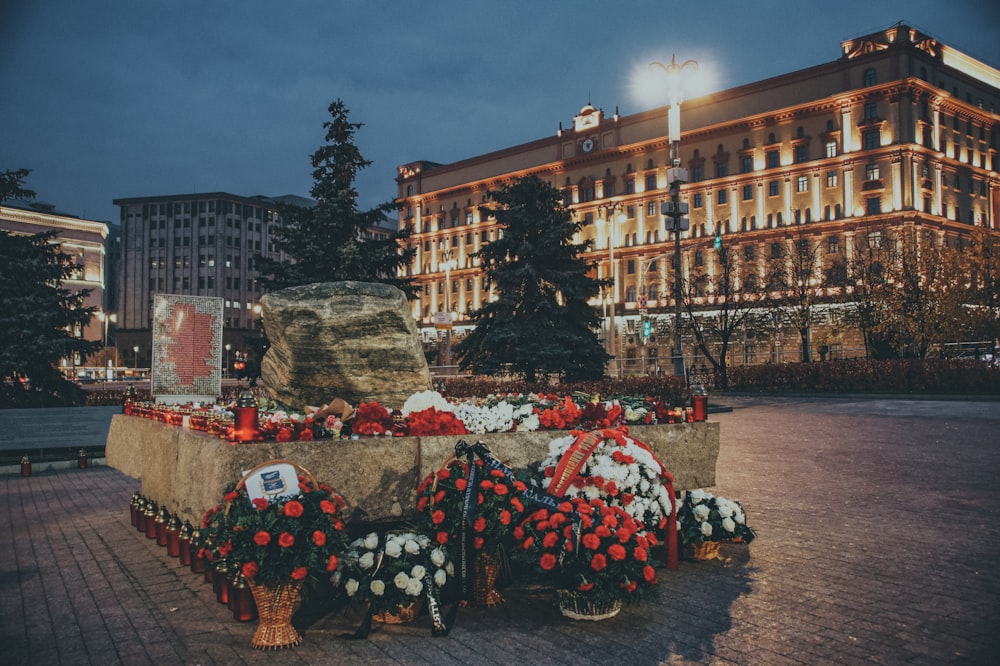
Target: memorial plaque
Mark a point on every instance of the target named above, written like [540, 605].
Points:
[187, 348]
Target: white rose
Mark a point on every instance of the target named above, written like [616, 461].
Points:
[701, 512]
[366, 561]
[728, 524]
[377, 587]
[393, 549]
[725, 509]
[450, 568]
[440, 577]
[696, 496]
[414, 587]
[401, 580]
[351, 586]
[739, 517]
[418, 570]
[371, 541]
[438, 557]
[412, 547]
[706, 529]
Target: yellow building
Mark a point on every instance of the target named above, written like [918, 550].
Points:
[899, 130]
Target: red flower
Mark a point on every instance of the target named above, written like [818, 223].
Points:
[550, 539]
[422, 503]
[598, 562]
[550, 471]
[500, 489]
[516, 503]
[298, 573]
[437, 517]
[260, 503]
[441, 538]
[332, 563]
[585, 587]
[630, 587]
[319, 538]
[293, 509]
[461, 484]
[262, 538]
[640, 554]
[602, 531]
[226, 548]
[518, 532]
[485, 484]
[306, 435]
[548, 561]
[591, 541]
[249, 569]
[649, 573]
[327, 506]
[284, 435]
[527, 543]
[505, 517]
[286, 540]
[617, 552]
[229, 497]
[480, 524]
[623, 535]
[478, 542]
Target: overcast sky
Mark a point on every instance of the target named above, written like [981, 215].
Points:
[106, 99]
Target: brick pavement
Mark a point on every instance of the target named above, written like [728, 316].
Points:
[877, 524]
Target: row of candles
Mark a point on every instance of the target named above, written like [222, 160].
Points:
[239, 423]
[185, 542]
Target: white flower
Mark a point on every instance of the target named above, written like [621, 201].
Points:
[414, 587]
[728, 524]
[724, 507]
[440, 577]
[701, 512]
[422, 400]
[371, 541]
[367, 560]
[377, 587]
[450, 568]
[706, 529]
[351, 586]
[696, 496]
[739, 517]
[418, 570]
[392, 548]
[401, 580]
[411, 547]
[438, 557]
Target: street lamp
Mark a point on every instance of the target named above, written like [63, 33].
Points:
[135, 364]
[226, 369]
[107, 317]
[448, 262]
[612, 213]
[676, 176]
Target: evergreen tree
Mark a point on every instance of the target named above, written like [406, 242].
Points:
[327, 242]
[540, 322]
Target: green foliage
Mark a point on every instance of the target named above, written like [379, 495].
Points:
[11, 185]
[668, 389]
[328, 242]
[37, 319]
[540, 321]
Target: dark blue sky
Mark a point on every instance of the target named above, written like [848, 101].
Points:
[123, 98]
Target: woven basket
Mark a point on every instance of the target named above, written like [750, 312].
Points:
[708, 550]
[275, 605]
[579, 607]
[401, 615]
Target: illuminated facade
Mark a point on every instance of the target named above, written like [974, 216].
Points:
[900, 130]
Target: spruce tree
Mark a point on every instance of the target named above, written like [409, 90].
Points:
[540, 322]
[327, 242]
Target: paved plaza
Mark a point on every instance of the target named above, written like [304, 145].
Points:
[878, 527]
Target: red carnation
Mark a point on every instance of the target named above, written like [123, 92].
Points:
[630, 586]
[260, 503]
[516, 503]
[226, 548]
[249, 569]
[437, 517]
[598, 562]
[422, 503]
[617, 552]
[480, 524]
[332, 563]
[485, 484]
[229, 497]
[501, 489]
[286, 540]
[293, 509]
[327, 506]
[319, 538]
[518, 532]
[591, 541]
[262, 538]
[550, 539]
[640, 554]
[461, 484]
[649, 573]
[548, 561]
[505, 517]
[585, 587]
[298, 573]
[623, 535]
[478, 542]
[441, 538]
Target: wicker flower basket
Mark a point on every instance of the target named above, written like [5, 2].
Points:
[401, 615]
[708, 550]
[275, 605]
[486, 571]
[580, 607]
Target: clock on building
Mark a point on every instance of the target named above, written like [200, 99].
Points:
[587, 145]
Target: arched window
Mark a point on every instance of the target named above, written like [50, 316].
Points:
[653, 292]
[826, 212]
[779, 219]
[753, 222]
[838, 212]
[630, 294]
[770, 221]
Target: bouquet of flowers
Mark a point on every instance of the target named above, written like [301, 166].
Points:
[372, 418]
[392, 571]
[622, 471]
[273, 542]
[591, 549]
[706, 518]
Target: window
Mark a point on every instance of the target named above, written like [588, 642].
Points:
[721, 197]
[871, 171]
[773, 188]
[870, 77]
[697, 174]
[802, 184]
[699, 258]
[871, 111]
[630, 267]
[870, 139]
[801, 153]
[775, 250]
[749, 252]
[721, 170]
[651, 209]
[651, 182]
[873, 206]
[773, 159]
[746, 163]
[832, 178]
[830, 149]
[747, 192]
[699, 200]
[630, 186]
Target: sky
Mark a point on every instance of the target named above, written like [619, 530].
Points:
[107, 99]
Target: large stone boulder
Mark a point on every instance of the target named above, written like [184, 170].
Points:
[352, 340]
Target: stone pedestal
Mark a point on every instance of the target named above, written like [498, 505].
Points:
[188, 471]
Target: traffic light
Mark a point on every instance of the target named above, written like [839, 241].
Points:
[647, 327]
[717, 243]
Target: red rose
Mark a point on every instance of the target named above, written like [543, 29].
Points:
[293, 509]
[591, 541]
[260, 503]
[548, 561]
[262, 538]
[505, 517]
[226, 548]
[437, 517]
[299, 573]
[461, 484]
[319, 538]
[598, 562]
[441, 538]
[550, 539]
[249, 569]
[617, 552]
[286, 540]
[480, 524]
[332, 563]
[327, 506]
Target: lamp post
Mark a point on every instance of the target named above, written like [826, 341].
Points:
[106, 317]
[226, 369]
[612, 213]
[448, 263]
[135, 362]
[676, 176]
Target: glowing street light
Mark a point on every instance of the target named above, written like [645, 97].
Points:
[107, 317]
[613, 214]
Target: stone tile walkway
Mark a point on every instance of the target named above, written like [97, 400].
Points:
[878, 524]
